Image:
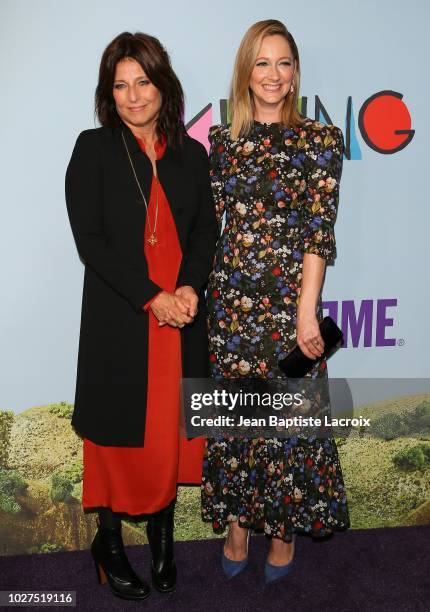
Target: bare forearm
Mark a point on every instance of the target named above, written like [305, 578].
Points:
[308, 333]
[312, 277]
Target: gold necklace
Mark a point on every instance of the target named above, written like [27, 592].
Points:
[152, 238]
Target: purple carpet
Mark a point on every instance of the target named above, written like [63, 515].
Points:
[377, 569]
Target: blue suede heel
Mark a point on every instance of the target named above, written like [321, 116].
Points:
[276, 572]
[233, 568]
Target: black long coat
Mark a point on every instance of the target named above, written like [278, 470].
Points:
[107, 219]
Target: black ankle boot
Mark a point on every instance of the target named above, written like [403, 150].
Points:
[113, 566]
[159, 530]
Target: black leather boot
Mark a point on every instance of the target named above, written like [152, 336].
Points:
[159, 530]
[113, 566]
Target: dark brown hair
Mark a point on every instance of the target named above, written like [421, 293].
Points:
[154, 59]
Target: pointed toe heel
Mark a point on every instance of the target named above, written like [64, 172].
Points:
[273, 573]
[233, 568]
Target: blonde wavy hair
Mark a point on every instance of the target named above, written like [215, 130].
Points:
[241, 103]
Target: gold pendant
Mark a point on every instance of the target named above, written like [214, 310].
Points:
[152, 240]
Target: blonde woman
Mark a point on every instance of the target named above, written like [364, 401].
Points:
[275, 175]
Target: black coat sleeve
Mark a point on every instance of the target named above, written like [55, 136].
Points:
[204, 235]
[85, 208]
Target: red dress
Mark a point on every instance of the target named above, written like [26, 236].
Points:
[142, 480]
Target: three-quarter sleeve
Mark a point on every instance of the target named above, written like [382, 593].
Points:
[216, 154]
[321, 197]
[84, 201]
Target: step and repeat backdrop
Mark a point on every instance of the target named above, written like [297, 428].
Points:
[363, 69]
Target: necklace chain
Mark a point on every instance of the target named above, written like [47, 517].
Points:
[152, 238]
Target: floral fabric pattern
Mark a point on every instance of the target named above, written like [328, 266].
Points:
[279, 190]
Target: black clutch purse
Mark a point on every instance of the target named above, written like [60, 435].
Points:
[296, 364]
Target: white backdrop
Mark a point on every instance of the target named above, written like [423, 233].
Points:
[49, 56]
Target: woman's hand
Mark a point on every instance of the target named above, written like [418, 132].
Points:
[308, 335]
[190, 297]
[171, 310]
[308, 331]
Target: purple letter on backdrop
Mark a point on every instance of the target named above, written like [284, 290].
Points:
[332, 308]
[355, 324]
[382, 322]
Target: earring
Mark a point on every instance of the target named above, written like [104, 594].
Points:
[292, 89]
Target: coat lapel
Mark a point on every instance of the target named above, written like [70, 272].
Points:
[169, 174]
[140, 161]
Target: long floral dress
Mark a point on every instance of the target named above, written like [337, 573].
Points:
[279, 189]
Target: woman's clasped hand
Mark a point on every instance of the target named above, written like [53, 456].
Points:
[147, 259]
[175, 309]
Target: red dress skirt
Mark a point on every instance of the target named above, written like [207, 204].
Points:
[143, 480]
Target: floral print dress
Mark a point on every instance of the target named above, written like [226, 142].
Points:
[279, 189]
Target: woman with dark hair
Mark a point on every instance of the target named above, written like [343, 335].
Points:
[276, 175]
[141, 210]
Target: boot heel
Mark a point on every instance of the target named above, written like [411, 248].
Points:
[159, 530]
[101, 576]
[108, 552]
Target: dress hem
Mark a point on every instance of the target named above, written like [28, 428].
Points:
[131, 512]
[316, 535]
